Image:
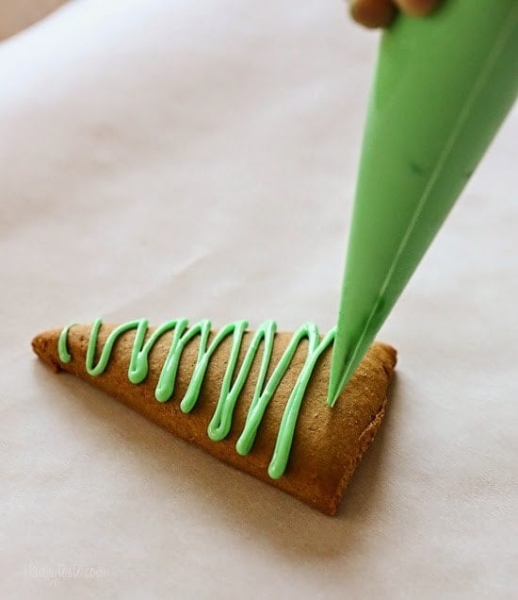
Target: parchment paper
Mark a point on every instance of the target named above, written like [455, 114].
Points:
[168, 159]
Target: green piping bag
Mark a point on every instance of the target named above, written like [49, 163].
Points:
[443, 86]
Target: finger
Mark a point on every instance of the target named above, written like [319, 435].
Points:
[372, 13]
[416, 7]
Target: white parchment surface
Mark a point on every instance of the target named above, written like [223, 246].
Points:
[168, 159]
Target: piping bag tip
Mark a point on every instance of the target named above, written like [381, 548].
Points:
[337, 382]
[340, 374]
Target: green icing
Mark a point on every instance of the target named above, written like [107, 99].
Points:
[63, 352]
[233, 383]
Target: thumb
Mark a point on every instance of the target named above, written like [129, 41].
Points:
[416, 7]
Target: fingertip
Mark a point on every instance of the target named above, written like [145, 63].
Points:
[372, 14]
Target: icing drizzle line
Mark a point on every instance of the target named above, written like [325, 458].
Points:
[232, 385]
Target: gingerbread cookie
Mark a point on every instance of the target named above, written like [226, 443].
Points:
[255, 400]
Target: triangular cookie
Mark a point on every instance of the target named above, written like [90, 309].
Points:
[262, 392]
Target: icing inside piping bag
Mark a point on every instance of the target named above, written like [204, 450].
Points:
[442, 88]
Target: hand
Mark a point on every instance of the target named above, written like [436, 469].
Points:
[379, 13]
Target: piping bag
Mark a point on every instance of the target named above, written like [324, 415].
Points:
[443, 86]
